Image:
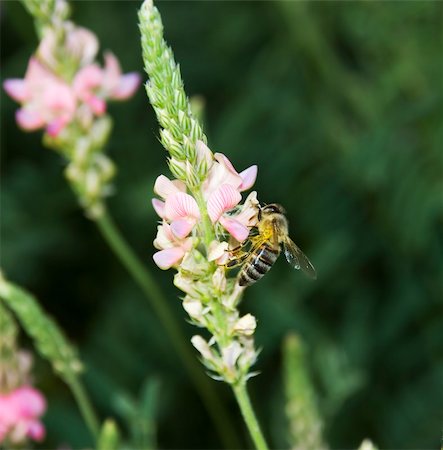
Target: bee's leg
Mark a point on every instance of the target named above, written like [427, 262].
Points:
[236, 261]
[239, 247]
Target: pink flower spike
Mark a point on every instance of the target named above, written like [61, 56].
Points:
[234, 228]
[182, 227]
[16, 89]
[165, 259]
[159, 207]
[29, 120]
[164, 187]
[181, 206]
[221, 200]
[248, 177]
[127, 86]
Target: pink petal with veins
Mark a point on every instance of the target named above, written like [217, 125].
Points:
[180, 205]
[29, 120]
[222, 199]
[159, 207]
[234, 228]
[182, 227]
[164, 187]
[16, 89]
[169, 257]
[248, 177]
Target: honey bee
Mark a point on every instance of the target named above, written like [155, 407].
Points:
[265, 247]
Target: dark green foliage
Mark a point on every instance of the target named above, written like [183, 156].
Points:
[340, 105]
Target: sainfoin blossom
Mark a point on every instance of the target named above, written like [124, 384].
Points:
[51, 100]
[20, 413]
[180, 213]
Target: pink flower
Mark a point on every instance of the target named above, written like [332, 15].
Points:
[46, 100]
[94, 85]
[172, 249]
[223, 172]
[223, 199]
[20, 411]
[179, 209]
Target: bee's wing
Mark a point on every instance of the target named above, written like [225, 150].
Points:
[297, 259]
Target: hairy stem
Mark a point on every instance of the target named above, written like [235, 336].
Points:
[159, 303]
[243, 400]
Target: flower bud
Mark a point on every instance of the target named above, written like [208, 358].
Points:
[246, 325]
[203, 347]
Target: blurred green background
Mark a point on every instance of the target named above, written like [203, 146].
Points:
[340, 105]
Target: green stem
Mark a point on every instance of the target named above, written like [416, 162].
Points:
[241, 394]
[84, 405]
[159, 303]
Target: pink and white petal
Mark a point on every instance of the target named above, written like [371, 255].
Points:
[37, 73]
[54, 127]
[127, 85]
[97, 104]
[187, 244]
[179, 185]
[29, 401]
[29, 119]
[181, 206]
[112, 72]
[182, 227]
[248, 177]
[221, 200]
[224, 161]
[82, 43]
[59, 99]
[159, 207]
[217, 176]
[165, 237]
[164, 187]
[165, 259]
[248, 215]
[234, 228]
[216, 250]
[204, 153]
[36, 430]
[87, 79]
[16, 89]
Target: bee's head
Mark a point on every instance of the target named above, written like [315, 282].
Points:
[272, 208]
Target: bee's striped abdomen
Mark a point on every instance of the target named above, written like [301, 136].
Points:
[258, 264]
